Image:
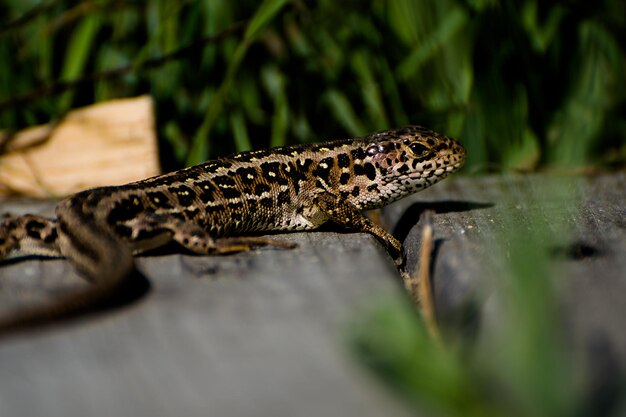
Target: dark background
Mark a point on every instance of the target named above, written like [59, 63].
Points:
[525, 85]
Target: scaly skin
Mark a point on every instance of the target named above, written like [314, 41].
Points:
[209, 208]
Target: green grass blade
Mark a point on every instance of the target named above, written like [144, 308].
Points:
[370, 90]
[341, 109]
[240, 132]
[77, 54]
[449, 27]
[265, 13]
[581, 118]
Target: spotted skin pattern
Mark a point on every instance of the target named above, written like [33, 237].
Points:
[210, 208]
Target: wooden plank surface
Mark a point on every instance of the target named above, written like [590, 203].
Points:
[477, 225]
[261, 333]
[473, 230]
[254, 334]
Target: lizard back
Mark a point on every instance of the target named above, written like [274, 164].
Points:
[272, 189]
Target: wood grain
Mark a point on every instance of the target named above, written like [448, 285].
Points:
[263, 333]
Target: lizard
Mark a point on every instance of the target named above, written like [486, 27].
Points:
[222, 205]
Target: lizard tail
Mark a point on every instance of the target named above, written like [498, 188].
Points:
[101, 256]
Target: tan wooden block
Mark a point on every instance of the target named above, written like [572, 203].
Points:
[109, 143]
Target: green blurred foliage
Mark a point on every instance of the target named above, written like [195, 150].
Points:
[524, 84]
[510, 356]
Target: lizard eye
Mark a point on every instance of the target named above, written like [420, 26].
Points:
[418, 148]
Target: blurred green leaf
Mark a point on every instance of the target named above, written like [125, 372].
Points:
[581, 117]
[176, 139]
[199, 148]
[525, 351]
[341, 108]
[393, 95]
[370, 89]
[240, 133]
[250, 99]
[391, 340]
[524, 84]
[523, 155]
[274, 82]
[262, 17]
[540, 35]
[520, 367]
[78, 50]
[453, 22]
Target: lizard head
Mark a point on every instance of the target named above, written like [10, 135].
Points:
[412, 158]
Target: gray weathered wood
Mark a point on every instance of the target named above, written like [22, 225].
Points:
[473, 229]
[478, 222]
[261, 333]
[257, 333]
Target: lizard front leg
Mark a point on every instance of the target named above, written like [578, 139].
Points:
[346, 214]
[418, 287]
